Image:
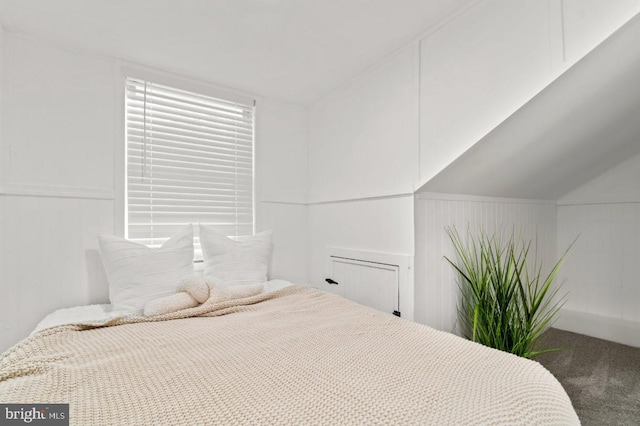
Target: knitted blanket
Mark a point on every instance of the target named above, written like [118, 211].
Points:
[295, 356]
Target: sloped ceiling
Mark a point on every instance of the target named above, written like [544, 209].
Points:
[620, 183]
[583, 124]
[294, 50]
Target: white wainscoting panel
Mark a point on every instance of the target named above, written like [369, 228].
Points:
[290, 239]
[375, 225]
[604, 267]
[50, 259]
[607, 328]
[436, 291]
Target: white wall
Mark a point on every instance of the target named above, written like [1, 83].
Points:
[587, 23]
[480, 68]
[370, 141]
[554, 143]
[363, 164]
[1, 97]
[402, 121]
[58, 122]
[282, 157]
[281, 185]
[603, 269]
[436, 291]
[363, 136]
[617, 185]
[60, 129]
[52, 137]
[4, 327]
[477, 71]
[380, 225]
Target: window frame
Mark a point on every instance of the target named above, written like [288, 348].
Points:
[125, 70]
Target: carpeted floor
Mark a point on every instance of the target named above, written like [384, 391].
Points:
[602, 378]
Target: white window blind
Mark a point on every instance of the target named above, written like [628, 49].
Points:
[189, 160]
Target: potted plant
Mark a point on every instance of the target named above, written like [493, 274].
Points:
[505, 301]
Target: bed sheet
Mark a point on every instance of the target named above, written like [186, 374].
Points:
[101, 313]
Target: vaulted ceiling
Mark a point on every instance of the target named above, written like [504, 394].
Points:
[294, 50]
[581, 125]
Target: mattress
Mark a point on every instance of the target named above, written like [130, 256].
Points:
[291, 356]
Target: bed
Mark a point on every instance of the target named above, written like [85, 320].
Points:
[228, 346]
[292, 355]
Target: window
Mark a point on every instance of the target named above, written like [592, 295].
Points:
[189, 160]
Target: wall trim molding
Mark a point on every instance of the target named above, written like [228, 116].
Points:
[600, 200]
[607, 328]
[291, 203]
[478, 198]
[56, 191]
[364, 198]
[434, 196]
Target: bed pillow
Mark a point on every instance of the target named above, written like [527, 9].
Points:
[244, 261]
[138, 274]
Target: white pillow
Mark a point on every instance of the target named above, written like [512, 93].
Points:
[244, 261]
[138, 274]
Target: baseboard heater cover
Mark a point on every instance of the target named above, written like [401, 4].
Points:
[377, 279]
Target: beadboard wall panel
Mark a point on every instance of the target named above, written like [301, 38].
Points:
[436, 291]
[290, 239]
[604, 266]
[50, 258]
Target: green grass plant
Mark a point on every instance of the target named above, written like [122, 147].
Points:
[505, 301]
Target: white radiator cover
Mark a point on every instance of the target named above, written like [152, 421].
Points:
[383, 281]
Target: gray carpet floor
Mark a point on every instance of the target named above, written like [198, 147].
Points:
[601, 378]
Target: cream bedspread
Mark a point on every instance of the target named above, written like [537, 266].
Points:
[295, 356]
